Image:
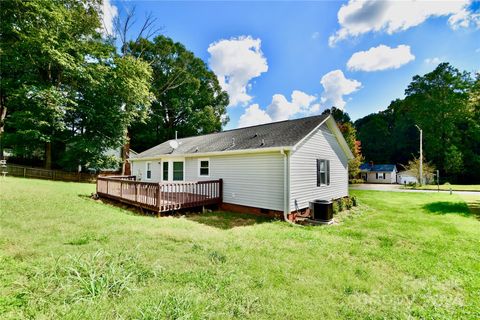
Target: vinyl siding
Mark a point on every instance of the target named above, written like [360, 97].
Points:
[254, 180]
[303, 169]
[390, 177]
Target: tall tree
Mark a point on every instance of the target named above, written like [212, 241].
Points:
[66, 90]
[188, 97]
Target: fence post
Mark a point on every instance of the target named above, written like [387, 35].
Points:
[24, 172]
[121, 189]
[159, 198]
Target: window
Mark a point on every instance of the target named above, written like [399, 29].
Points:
[165, 171]
[149, 171]
[204, 167]
[323, 172]
[178, 171]
[380, 175]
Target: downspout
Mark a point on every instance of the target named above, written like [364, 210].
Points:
[286, 193]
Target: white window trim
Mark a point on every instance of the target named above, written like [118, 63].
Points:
[170, 169]
[146, 170]
[199, 163]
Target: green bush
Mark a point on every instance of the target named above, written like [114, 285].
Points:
[348, 203]
[355, 181]
[335, 207]
[354, 201]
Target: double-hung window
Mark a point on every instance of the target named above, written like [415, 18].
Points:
[149, 170]
[380, 175]
[323, 172]
[203, 167]
[165, 171]
[177, 170]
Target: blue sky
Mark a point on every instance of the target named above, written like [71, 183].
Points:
[265, 51]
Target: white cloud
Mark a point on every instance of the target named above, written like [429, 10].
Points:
[280, 109]
[107, 16]
[336, 86]
[253, 115]
[235, 62]
[359, 16]
[380, 58]
[464, 19]
[434, 60]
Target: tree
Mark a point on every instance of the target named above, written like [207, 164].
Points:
[188, 97]
[413, 167]
[66, 89]
[350, 134]
[444, 103]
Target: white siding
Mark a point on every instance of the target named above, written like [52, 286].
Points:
[254, 180]
[390, 177]
[303, 169]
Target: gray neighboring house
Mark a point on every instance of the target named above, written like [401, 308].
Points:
[378, 173]
[277, 167]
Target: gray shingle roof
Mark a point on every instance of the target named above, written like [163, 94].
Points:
[276, 134]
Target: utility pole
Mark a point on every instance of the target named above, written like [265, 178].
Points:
[421, 155]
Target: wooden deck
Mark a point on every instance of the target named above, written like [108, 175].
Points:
[160, 197]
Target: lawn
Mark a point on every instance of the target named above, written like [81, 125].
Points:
[401, 255]
[454, 187]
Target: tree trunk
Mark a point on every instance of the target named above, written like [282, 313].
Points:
[48, 155]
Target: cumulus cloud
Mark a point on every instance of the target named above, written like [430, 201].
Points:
[236, 62]
[359, 16]
[380, 58]
[335, 86]
[253, 115]
[107, 16]
[280, 109]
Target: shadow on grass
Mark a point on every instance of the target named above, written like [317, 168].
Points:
[227, 220]
[445, 207]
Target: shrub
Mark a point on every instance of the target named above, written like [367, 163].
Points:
[341, 204]
[335, 207]
[355, 181]
[354, 201]
[348, 203]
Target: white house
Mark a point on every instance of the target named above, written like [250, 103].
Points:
[406, 177]
[277, 167]
[378, 173]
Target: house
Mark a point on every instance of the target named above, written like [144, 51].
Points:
[406, 177]
[378, 173]
[274, 168]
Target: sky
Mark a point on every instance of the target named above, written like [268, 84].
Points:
[285, 60]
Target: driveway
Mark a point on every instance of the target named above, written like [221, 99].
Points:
[398, 188]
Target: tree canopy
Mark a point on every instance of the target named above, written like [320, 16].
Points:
[445, 105]
[188, 96]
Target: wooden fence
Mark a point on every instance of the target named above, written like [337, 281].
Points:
[27, 172]
[160, 197]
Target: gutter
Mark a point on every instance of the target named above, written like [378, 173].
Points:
[216, 153]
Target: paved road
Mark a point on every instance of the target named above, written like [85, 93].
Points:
[398, 188]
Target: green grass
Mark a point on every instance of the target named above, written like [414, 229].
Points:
[454, 187]
[400, 255]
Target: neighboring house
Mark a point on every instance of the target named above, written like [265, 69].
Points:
[271, 168]
[406, 177]
[378, 173]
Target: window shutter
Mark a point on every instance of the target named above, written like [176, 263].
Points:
[318, 172]
[376, 174]
[328, 172]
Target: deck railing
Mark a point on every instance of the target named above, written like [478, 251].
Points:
[160, 197]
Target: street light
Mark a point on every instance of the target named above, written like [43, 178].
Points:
[421, 155]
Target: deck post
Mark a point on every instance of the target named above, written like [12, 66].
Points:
[220, 185]
[159, 198]
[121, 189]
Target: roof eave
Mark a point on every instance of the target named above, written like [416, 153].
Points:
[214, 153]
